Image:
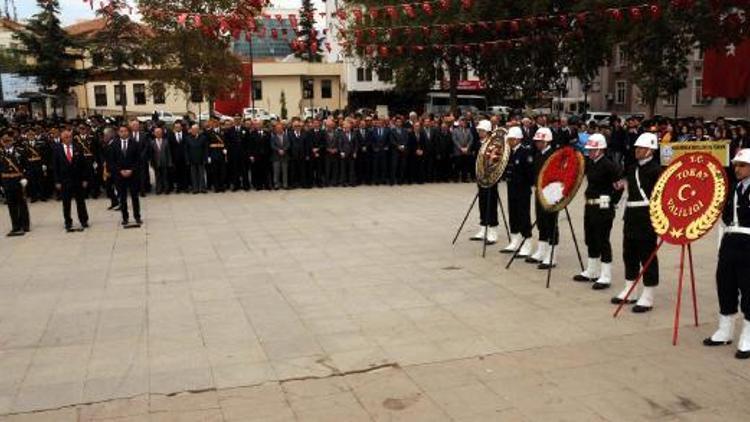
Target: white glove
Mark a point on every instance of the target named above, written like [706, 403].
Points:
[44, 167]
[553, 192]
[209, 160]
[225, 151]
[96, 166]
[24, 182]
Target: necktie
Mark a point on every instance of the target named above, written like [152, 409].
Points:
[179, 138]
[124, 147]
[69, 153]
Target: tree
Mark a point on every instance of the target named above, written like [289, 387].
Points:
[194, 54]
[282, 101]
[53, 52]
[117, 48]
[308, 35]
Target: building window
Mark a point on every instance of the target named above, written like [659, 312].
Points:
[160, 93]
[698, 98]
[621, 57]
[196, 96]
[620, 92]
[326, 88]
[364, 74]
[698, 54]
[464, 74]
[439, 74]
[307, 88]
[100, 95]
[385, 74]
[669, 101]
[120, 95]
[257, 90]
[139, 94]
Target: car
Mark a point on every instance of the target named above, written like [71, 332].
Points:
[221, 117]
[498, 110]
[258, 113]
[596, 116]
[163, 116]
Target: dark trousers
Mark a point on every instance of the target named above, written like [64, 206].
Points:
[364, 168]
[462, 167]
[17, 206]
[597, 225]
[162, 179]
[318, 166]
[97, 181]
[129, 185]
[298, 172]
[418, 169]
[35, 178]
[635, 253]
[546, 224]
[733, 274]
[488, 206]
[238, 175]
[379, 167]
[519, 211]
[70, 192]
[398, 167]
[109, 188]
[332, 170]
[180, 175]
[198, 177]
[346, 171]
[145, 178]
[259, 171]
[217, 173]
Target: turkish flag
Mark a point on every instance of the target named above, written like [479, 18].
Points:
[726, 71]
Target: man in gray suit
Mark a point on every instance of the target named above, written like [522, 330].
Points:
[462, 156]
[347, 146]
[161, 160]
[280, 144]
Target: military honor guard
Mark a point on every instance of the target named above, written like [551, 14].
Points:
[487, 198]
[14, 181]
[519, 176]
[602, 175]
[733, 269]
[639, 238]
[545, 221]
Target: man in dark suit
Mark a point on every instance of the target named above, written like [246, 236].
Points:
[280, 157]
[161, 160]
[72, 177]
[317, 144]
[399, 151]
[258, 150]
[126, 159]
[347, 146]
[298, 154]
[235, 138]
[331, 154]
[364, 155]
[140, 138]
[180, 171]
[196, 155]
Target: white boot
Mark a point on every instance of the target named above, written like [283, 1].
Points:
[743, 348]
[645, 302]
[591, 272]
[541, 249]
[480, 234]
[525, 249]
[621, 296]
[491, 236]
[605, 277]
[724, 334]
[549, 260]
[515, 242]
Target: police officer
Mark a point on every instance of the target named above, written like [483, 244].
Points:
[14, 182]
[487, 198]
[639, 238]
[601, 174]
[519, 176]
[545, 221]
[733, 268]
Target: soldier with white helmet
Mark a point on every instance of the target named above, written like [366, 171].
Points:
[732, 271]
[519, 178]
[639, 238]
[488, 197]
[545, 221]
[602, 174]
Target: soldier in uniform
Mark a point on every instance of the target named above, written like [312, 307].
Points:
[639, 238]
[89, 146]
[14, 182]
[487, 198]
[602, 174]
[519, 176]
[732, 271]
[37, 167]
[217, 157]
[545, 221]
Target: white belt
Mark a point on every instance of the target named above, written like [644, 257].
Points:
[596, 201]
[636, 204]
[737, 230]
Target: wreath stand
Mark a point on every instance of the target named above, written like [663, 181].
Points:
[684, 248]
[466, 217]
[552, 253]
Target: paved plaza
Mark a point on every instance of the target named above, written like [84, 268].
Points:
[337, 305]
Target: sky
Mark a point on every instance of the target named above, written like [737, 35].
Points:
[73, 11]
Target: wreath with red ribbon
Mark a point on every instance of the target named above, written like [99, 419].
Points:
[560, 178]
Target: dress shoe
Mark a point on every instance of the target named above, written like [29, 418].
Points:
[617, 301]
[85, 225]
[139, 221]
[15, 233]
[124, 223]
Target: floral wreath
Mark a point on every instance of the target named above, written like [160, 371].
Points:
[560, 178]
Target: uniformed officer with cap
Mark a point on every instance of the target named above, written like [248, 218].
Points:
[734, 266]
[13, 179]
[519, 176]
[639, 238]
[487, 197]
[545, 221]
[601, 175]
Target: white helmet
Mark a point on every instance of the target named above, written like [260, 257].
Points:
[743, 156]
[485, 125]
[543, 134]
[515, 133]
[647, 140]
[596, 141]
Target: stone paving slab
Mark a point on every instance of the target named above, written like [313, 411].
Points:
[336, 305]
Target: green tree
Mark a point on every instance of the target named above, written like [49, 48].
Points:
[117, 48]
[308, 34]
[53, 52]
